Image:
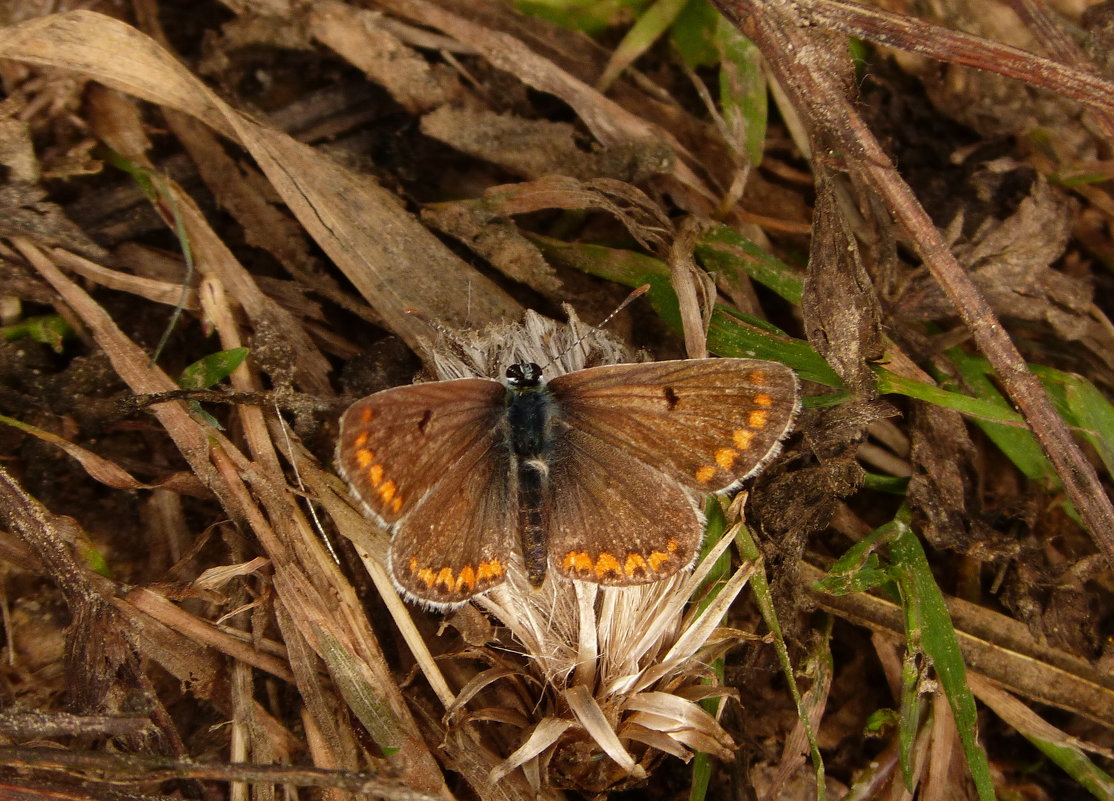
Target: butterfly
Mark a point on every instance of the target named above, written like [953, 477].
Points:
[596, 475]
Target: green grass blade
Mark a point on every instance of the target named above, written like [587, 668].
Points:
[46, 329]
[1078, 765]
[694, 34]
[749, 550]
[742, 90]
[1018, 444]
[591, 16]
[932, 629]
[212, 369]
[206, 372]
[641, 37]
[736, 335]
[717, 524]
[729, 334]
[727, 251]
[359, 692]
[977, 408]
[859, 569]
[1087, 408]
[928, 631]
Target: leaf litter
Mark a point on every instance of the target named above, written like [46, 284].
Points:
[330, 166]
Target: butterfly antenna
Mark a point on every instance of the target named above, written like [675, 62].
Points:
[628, 300]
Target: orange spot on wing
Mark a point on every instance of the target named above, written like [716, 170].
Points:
[577, 562]
[635, 562]
[396, 504]
[445, 579]
[361, 439]
[607, 563]
[366, 414]
[489, 570]
[387, 490]
[364, 458]
[763, 399]
[758, 418]
[705, 474]
[375, 474]
[757, 377]
[725, 458]
[658, 559]
[426, 576]
[466, 579]
[742, 438]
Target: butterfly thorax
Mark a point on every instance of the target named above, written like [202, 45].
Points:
[530, 408]
[530, 417]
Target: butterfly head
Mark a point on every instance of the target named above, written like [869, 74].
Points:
[524, 376]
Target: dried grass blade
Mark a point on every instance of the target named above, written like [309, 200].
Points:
[590, 716]
[655, 739]
[694, 739]
[542, 737]
[476, 684]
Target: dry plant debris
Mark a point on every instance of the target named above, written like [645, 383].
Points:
[917, 595]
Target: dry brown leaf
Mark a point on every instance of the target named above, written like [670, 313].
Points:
[480, 223]
[536, 148]
[107, 472]
[24, 213]
[357, 35]
[992, 104]
[841, 313]
[17, 153]
[305, 577]
[116, 121]
[157, 291]
[1010, 259]
[1021, 717]
[499, 242]
[944, 486]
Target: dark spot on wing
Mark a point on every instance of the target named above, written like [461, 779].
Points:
[670, 397]
[427, 415]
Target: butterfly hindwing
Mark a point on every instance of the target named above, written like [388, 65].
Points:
[612, 520]
[428, 461]
[705, 423]
[457, 540]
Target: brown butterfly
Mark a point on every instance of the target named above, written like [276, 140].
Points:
[595, 475]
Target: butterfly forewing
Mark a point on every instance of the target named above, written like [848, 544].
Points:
[706, 423]
[612, 519]
[399, 442]
[428, 461]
